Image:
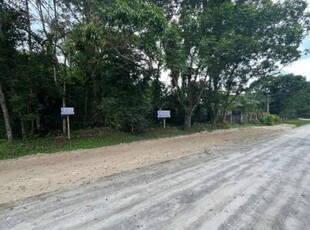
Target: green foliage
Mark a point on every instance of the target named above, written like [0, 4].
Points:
[106, 59]
[83, 139]
[80, 140]
[227, 44]
[270, 119]
[11, 36]
[296, 122]
[288, 95]
[125, 110]
[109, 49]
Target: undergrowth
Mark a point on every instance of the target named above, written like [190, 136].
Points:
[100, 137]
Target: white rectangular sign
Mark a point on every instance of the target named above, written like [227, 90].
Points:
[67, 111]
[163, 114]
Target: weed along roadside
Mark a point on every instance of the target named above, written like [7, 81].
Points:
[100, 137]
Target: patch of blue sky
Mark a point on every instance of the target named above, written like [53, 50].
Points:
[306, 46]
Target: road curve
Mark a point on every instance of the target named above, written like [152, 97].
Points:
[261, 185]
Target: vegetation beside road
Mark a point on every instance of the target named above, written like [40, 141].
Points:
[297, 122]
[106, 60]
[100, 137]
[84, 139]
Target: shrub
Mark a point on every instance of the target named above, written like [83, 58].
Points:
[270, 119]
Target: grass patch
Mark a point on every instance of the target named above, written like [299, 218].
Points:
[296, 122]
[100, 137]
[84, 139]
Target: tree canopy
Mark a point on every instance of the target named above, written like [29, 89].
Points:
[106, 59]
[289, 95]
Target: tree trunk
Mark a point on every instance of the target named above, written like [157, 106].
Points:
[22, 126]
[64, 122]
[215, 117]
[32, 127]
[22, 122]
[132, 129]
[223, 118]
[85, 106]
[28, 25]
[187, 119]
[38, 123]
[6, 115]
[94, 94]
[55, 74]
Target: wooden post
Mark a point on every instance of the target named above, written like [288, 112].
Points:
[164, 121]
[68, 127]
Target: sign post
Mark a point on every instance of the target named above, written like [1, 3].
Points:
[68, 127]
[163, 114]
[67, 111]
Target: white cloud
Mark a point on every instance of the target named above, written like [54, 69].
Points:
[300, 67]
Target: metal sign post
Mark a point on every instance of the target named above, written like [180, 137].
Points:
[163, 114]
[67, 111]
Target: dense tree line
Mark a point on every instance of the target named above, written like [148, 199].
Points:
[106, 59]
[287, 95]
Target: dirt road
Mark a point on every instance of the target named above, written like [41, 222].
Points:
[33, 175]
[262, 184]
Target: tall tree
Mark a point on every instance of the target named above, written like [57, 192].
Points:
[107, 30]
[6, 115]
[289, 95]
[229, 43]
[10, 36]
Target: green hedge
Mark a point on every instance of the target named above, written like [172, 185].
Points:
[270, 119]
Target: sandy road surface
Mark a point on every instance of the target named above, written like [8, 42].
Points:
[264, 184]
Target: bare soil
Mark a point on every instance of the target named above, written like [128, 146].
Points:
[42, 173]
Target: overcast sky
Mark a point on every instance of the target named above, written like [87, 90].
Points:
[302, 66]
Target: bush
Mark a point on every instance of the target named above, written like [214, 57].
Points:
[270, 119]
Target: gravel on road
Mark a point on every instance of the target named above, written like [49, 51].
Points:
[259, 184]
